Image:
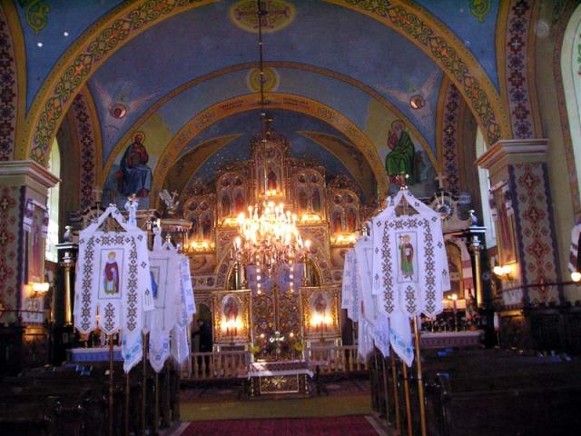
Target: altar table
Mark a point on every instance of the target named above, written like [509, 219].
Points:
[279, 377]
[96, 354]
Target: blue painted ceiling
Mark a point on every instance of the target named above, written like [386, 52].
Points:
[191, 61]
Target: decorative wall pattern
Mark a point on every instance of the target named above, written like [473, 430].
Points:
[516, 65]
[539, 261]
[450, 139]
[9, 250]
[560, 90]
[480, 8]
[8, 91]
[86, 139]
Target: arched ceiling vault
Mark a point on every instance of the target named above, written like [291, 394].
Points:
[351, 68]
[444, 48]
[276, 101]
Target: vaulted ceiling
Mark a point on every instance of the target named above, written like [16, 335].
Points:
[339, 73]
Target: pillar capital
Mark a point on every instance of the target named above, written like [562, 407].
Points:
[27, 173]
[508, 152]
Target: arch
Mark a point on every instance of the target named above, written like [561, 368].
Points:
[570, 52]
[446, 50]
[130, 19]
[290, 65]
[83, 118]
[12, 103]
[81, 60]
[276, 101]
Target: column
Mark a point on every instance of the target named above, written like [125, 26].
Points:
[523, 217]
[23, 193]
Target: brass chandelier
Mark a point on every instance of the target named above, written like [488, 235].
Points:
[268, 236]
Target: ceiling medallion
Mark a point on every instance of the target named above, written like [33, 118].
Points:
[118, 111]
[417, 101]
[270, 79]
[280, 15]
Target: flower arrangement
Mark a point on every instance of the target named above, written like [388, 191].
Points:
[299, 346]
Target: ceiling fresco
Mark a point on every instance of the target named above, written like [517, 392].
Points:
[333, 57]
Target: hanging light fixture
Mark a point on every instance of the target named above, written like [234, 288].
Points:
[268, 236]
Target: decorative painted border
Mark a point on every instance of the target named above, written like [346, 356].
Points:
[572, 176]
[516, 67]
[451, 118]
[539, 262]
[86, 140]
[8, 90]
[69, 75]
[10, 250]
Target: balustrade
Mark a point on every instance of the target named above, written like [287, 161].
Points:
[331, 359]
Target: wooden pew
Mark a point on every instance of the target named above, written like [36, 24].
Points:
[45, 408]
[493, 392]
[74, 399]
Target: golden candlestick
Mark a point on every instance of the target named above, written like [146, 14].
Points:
[68, 263]
[476, 248]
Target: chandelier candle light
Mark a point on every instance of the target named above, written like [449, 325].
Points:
[268, 236]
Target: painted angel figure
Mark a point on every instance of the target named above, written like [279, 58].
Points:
[131, 207]
[169, 200]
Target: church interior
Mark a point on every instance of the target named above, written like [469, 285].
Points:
[238, 151]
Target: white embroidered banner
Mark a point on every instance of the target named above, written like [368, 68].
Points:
[173, 300]
[350, 286]
[113, 284]
[410, 265]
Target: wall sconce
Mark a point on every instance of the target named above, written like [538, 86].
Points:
[576, 276]
[39, 289]
[503, 272]
[454, 298]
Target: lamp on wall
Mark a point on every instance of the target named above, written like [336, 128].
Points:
[39, 289]
[576, 276]
[503, 272]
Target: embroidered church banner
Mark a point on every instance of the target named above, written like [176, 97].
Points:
[350, 286]
[409, 267]
[370, 304]
[410, 264]
[113, 283]
[173, 303]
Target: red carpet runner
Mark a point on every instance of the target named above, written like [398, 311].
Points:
[340, 425]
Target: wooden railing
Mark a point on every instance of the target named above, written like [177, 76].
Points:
[233, 364]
